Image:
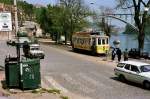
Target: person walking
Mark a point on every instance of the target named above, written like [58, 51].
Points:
[119, 54]
[125, 54]
[113, 54]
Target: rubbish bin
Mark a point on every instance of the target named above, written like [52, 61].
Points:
[11, 72]
[30, 78]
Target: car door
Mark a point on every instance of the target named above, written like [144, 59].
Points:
[127, 71]
[134, 74]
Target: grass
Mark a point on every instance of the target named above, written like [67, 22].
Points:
[43, 90]
[64, 97]
[55, 91]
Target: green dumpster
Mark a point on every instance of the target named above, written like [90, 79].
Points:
[11, 72]
[30, 74]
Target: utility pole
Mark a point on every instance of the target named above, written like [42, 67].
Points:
[16, 17]
[16, 31]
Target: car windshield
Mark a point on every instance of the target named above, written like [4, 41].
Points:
[34, 48]
[145, 68]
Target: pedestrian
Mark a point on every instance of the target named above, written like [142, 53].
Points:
[125, 55]
[113, 54]
[118, 52]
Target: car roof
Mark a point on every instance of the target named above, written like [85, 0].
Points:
[23, 40]
[135, 63]
[34, 45]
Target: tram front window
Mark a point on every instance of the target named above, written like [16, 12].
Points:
[107, 41]
[99, 41]
[103, 41]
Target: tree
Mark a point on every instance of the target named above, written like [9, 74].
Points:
[74, 12]
[56, 28]
[23, 7]
[43, 19]
[105, 27]
[129, 30]
[26, 9]
[7, 1]
[140, 16]
[102, 21]
[62, 19]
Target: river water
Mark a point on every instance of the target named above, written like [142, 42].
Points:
[129, 41]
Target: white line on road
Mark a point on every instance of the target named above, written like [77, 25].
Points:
[55, 84]
[76, 83]
[91, 80]
[44, 85]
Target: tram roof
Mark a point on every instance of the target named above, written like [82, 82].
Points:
[89, 34]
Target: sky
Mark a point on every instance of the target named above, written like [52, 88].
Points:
[43, 2]
[109, 3]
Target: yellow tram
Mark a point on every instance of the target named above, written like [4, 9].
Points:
[91, 41]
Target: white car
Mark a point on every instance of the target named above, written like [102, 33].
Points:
[35, 51]
[13, 41]
[133, 71]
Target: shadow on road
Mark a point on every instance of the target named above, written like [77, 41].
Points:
[85, 52]
[127, 82]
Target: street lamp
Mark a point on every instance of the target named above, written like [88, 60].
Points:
[146, 8]
[91, 3]
[116, 43]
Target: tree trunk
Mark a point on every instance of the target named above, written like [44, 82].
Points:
[141, 37]
[65, 38]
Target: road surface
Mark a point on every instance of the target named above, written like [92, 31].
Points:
[81, 74]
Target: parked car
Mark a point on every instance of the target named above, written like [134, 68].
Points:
[133, 71]
[35, 52]
[21, 40]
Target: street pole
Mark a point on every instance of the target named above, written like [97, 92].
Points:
[16, 17]
[16, 30]
[18, 43]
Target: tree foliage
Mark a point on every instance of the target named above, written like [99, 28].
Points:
[64, 18]
[140, 16]
[74, 12]
[26, 9]
[43, 19]
[6, 1]
[102, 21]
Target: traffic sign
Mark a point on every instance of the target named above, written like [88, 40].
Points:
[5, 21]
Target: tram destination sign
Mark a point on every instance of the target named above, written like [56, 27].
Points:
[5, 21]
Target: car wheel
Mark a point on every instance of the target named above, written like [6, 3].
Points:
[146, 84]
[75, 50]
[122, 78]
